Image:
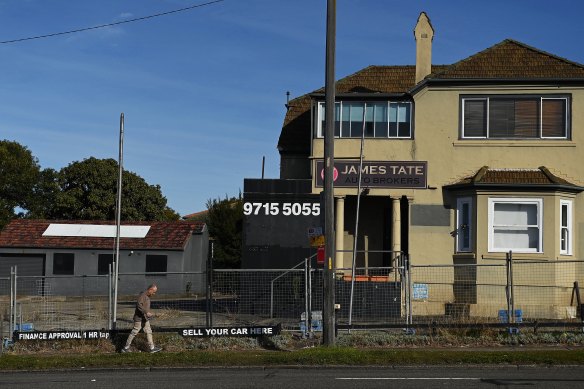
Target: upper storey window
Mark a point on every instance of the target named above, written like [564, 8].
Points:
[379, 119]
[515, 117]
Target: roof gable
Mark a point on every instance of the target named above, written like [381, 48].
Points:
[508, 60]
[511, 59]
[26, 233]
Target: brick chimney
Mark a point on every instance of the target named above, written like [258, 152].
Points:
[424, 34]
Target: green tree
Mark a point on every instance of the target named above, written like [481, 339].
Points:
[88, 191]
[44, 194]
[225, 220]
[19, 173]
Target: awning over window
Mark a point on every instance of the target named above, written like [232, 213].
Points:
[516, 179]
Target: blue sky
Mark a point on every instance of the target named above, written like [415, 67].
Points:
[203, 91]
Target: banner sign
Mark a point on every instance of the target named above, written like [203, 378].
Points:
[61, 335]
[376, 174]
[203, 332]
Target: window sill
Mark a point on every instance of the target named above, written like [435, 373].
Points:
[464, 255]
[513, 143]
[517, 256]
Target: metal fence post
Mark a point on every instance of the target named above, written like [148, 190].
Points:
[512, 317]
[509, 288]
[209, 289]
[13, 270]
[109, 297]
[1, 332]
[307, 327]
[409, 271]
[310, 295]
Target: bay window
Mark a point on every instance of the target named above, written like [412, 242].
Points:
[566, 227]
[515, 117]
[464, 224]
[379, 119]
[515, 224]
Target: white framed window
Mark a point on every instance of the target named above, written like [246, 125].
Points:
[379, 119]
[464, 228]
[515, 117]
[566, 227]
[515, 224]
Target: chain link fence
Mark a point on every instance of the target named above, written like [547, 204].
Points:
[516, 291]
[512, 291]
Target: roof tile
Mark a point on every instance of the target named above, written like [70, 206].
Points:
[26, 233]
[509, 59]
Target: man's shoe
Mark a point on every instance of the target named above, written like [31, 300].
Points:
[125, 350]
[155, 350]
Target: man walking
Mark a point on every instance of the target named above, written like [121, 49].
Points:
[142, 317]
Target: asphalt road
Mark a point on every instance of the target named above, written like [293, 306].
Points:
[321, 378]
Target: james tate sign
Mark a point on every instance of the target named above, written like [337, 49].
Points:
[377, 174]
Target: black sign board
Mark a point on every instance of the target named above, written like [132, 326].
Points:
[203, 332]
[376, 174]
[252, 331]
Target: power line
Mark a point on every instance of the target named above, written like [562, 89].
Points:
[113, 24]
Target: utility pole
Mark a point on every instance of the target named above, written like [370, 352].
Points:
[118, 222]
[328, 335]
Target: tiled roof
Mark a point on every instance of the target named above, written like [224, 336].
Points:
[486, 176]
[197, 215]
[511, 59]
[380, 79]
[25, 233]
[295, 135]
[507, 60]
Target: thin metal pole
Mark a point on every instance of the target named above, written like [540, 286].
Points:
[328, 335]
[211, 275]
[109, 296]
[208, 291]
[356, 236]
[409, 271]
[118, 220]
[12, 298]
[272, 299]
[306, 308]
[512, 317]
[1, 332]
[311, 333]
[508, 287]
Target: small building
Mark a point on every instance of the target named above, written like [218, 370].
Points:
[77, 255]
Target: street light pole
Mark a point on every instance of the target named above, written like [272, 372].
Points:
[118, 220]
[328, 334]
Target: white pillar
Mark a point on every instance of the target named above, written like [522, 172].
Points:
[339, 232]
[395, 225]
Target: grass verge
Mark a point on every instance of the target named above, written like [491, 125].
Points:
[359, 348]
[309, 357]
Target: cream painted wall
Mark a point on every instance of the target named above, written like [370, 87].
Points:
[436, 140]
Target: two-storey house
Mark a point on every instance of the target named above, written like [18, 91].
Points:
[451, 164]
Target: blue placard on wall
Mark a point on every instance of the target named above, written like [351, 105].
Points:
[420, 291]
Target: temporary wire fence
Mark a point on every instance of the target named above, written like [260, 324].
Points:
[509, 292]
